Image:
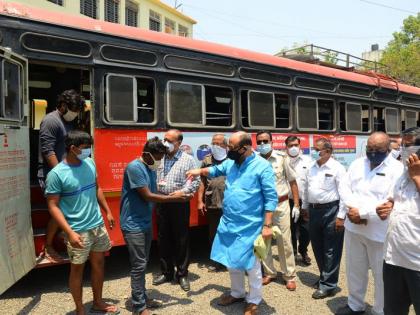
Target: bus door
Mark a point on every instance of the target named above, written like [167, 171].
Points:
[17, 254]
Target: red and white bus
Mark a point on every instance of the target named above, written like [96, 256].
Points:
[139, 83]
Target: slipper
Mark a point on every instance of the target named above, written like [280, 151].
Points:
[52, 255]
[152, 303]
[104, 312]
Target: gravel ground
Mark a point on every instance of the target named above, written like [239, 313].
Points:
[44, 291]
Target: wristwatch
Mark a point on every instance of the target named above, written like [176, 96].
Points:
[268, 225]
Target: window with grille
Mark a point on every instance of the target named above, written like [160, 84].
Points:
[354, 117]
[154, 21]
[169, 26]
[315, 113]
[131, 14]
[182, 30]
[89, 8]
[58, 2]
[409, 119]
[112, 10]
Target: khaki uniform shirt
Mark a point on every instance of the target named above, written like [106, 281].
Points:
[284, 174]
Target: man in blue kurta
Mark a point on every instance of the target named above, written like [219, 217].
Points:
[249, 201]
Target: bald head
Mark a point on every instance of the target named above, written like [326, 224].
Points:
[378, 141]
[239, 139]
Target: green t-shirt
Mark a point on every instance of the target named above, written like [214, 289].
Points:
[76, 185]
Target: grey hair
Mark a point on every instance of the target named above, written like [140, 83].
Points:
[219, 134]
[326, 144]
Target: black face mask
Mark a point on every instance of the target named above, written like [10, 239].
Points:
[376, 157]
[234, 155]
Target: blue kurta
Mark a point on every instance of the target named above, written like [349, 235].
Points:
[250, 191]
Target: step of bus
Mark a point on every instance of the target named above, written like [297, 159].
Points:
[40, 238]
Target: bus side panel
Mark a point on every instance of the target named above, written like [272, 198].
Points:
[16, 237]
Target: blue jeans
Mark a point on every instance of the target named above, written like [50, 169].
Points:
[138, 244]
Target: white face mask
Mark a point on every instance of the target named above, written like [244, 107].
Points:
[407, 151]
[155, 165]
[70, 115]
[293, 151]
[395, 153]
[218, 152]
[169, 145]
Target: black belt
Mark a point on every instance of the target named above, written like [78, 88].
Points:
[324, 205]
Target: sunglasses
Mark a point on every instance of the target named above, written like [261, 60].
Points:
[262, 141]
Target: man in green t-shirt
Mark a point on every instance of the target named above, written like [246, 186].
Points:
[74, 201]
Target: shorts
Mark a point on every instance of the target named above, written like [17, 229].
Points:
[94, 240]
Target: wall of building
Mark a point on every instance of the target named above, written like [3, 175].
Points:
[144, 7]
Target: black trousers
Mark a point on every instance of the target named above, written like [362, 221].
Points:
[327, 244]
[401, 289]
[213, 219]
[174, 239]
[300, 232]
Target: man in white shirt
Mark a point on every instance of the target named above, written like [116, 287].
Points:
[367, 185]
[401, 270]
[322, 200]
[299, 225]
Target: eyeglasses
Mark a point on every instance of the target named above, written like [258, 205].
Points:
[262, 141]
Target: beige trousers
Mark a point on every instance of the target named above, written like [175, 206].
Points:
[281, 218]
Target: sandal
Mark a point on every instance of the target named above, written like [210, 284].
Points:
[105, 311]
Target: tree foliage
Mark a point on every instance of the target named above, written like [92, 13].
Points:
[402, 55]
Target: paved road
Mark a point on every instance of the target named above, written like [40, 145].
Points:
[44, 291]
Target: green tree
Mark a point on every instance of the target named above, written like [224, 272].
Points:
[402, 55]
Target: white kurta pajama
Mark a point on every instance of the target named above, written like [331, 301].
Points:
[365, 189]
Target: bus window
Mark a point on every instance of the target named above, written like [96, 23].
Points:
[11, 91]
[409, 119]
[392, 119]
[307, 113]
[325, 114]
[261, 109]
[354, 117]
[145, 101]
[185, 103]
[282, 111]
[120, 101]
[378, 119]
[219, 106]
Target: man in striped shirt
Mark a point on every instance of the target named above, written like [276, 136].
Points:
[174, 218]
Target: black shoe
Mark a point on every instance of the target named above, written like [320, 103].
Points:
[346, 310]
[316, 285]
[160, 279]
[184, 283]
[320, 294]
[306, 259]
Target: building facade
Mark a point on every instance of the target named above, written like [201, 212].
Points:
[148, 14]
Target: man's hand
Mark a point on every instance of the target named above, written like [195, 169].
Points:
[180, 196]
[354, 216]
[413, 164]
[384, 210]
[201, 206]
[295, 214]
[110, 219]
[76, 240]
[193, 173]
[339, 224]
[305, 214]
[267, 232]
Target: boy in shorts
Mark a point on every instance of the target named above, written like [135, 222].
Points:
[74, 200]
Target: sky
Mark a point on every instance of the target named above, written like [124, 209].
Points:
[268, 26]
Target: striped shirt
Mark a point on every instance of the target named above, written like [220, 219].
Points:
[171, 174]
[76, 186]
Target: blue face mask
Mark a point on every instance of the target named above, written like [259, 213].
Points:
[315, 155]
[85, 153]
[376, 157]
[264, 148]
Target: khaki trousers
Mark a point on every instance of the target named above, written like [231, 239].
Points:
[281, 219]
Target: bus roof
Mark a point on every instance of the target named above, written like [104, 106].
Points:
[89, 24]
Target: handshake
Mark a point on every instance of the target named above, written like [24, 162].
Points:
[180, 196]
